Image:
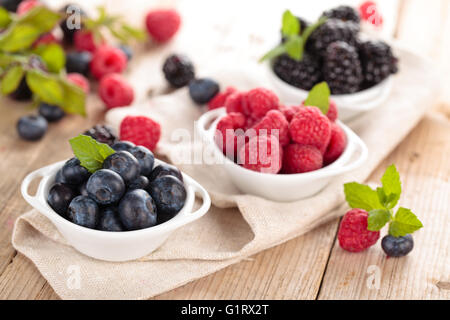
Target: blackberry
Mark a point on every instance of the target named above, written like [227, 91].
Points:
[331, 31]
[178, 70]
[302, 74]
[344, 13]
[23, 92]
[377, 61]
[103, 134]
[342, 69]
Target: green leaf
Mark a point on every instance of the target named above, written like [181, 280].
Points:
[11, 79]
[40, 17]
[90, 152]
[275, 52]
[18, 38]
[136, 33]
[294, 47]
[74, 98]
[290, 24]
[319, 97]
[405, 222]
[47, 88]
[53, 55]
[361, 196]
[392, 186]
[5, 18]
[378, 219]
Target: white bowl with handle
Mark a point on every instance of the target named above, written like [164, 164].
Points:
[113, 246]
[283, 187]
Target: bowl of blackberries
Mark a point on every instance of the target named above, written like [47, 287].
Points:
[357, 69]
[115, 203]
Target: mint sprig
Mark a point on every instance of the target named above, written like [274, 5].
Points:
[90, 152]
[319, 97]
[380, 204]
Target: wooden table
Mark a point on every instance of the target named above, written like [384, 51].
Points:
[309, 267]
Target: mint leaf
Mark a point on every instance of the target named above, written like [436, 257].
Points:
[405, 222]
[18, 37]
[319, 97]
[90, 152]
[41, 18]
[392, 186]
[136, 33]
[74, 98]
[378, 219]
[361, 196]
[47, 88]
[5, 18]
[11, 79]
[53, 55]
[275, 52]
[290, 24]
[294, 47]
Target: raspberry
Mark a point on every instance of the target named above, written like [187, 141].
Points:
[332, 113]
[310, 127]
[236, 102]
[274, 123]
[260, 101]
[26, 6]
[84, 41]
[299, 158]
[262, 154]
[79, 80]
[140, 130]
[337, 144]
[115, 91]
[219, 100]
[369, 12]
[162, 24]
[353, 235]
[106, 60]
[45, 39]
[224, 137]
[289, 111]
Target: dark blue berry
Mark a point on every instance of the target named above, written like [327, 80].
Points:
[78, 62]
[83, 211]
[125, 164]
[105, 187]
[169, 195]
[32, 128]
[145, 158]
[123, 146]
[127, 50]
[51, 113]
[23, 92]
[82, 189]
[137, 210]
[74, 173]
[109, 220]
[165, 170]
[397, 246]
[140, 183]
[178, 70]
[59, 198]
[203, 90]
[59, 178]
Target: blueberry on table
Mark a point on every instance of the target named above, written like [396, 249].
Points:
[32, 128]
[109, 220]
[203, 90]
[125, 164]
[165, 170]
[78, 62]
[51, 113]
[74, 173]
[105, 187]
[397, 246]
[178, 70]
[145, 158]
[83, 211]
[123, 146]
[59, 198]
[140, 183]
[169, 195]
[137, 210]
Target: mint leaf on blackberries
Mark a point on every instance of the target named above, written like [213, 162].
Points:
[319, 97]
[405, 222]
[290, 24]
[90, 152]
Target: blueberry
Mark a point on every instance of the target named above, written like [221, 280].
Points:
[32, 128]
[145, 158]
[51, 113]
[123, 146]
[74, 173]
[78, 62]
[165, 170]
[397, 246]
[127, 50]
[105, 187]
[137, 210]
[169, 195]
[109, 220]
[125, 164]
[83, 211]
[59, 198]
[10, 5]
[82, 189]
[59, 178]
[178, 70]
[140, 183]
[203, 90]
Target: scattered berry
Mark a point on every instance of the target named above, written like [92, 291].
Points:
[78, 62]
[109, 220]
[79, 80]
[262, 154]
[137, 210]
[219, 99]
[59, 198]
[141, 131]
[51, 113]
[127, 50]
[169, 195]
[303, 74]
[178, 70]
[162, 24]
[107, 60]
[203, 90]
[105, 187]
[123, 146]
[353, 235]
[115, 91]
[397, 247]
[274, 123]
[32, 127]
[225, 136]
[165, 170]
[301, 158]
[103, 134]
[123, 163]
[73, 173]
[84, 212]
[26, 6]
[344, 13]
[145, 158]
[260, 101]
[84, 40]
[337, 145]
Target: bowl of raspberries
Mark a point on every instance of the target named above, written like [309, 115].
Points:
[358, 70]
[115, 203]
[279, 152]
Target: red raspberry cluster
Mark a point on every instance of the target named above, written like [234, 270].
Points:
[263, 135]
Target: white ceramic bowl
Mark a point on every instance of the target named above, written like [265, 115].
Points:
[349, 105]
[283, 187]
[113, 246]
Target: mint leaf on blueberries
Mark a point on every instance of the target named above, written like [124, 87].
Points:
[392, 186]
[378, 219]
[11, 79]
[361, 196]
[290, 24]
[404, 222]
[319, 97]
[90, 152]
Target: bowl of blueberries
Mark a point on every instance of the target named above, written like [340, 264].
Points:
[115, 203]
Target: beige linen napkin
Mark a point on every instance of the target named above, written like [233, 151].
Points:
[237, 225]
